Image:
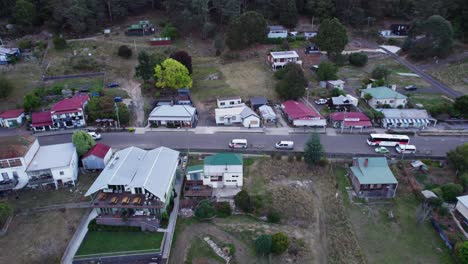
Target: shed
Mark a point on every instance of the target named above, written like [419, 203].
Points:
[257, 101]
[335, 84]
[267, 113]
[97, 157]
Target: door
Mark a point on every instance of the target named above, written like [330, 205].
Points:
[227, 120]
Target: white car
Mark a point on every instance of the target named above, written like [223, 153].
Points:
[94, 135]
[321, 101]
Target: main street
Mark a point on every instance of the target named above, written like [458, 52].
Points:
[339, 144]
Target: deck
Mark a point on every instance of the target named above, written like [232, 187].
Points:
[126, 200]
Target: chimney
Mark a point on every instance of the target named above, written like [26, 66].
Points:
[393, 87]
[366, 162]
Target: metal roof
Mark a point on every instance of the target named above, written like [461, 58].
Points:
[405, 113]
[243, 111]
[153, 170]
[375, 172]
[173, 111]
[224, 159]
[284, 54]
[52, 156]
[258, 100]
[463, 200]
[383, 93]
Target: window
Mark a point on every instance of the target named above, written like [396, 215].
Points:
[221, 119]
[234, 180]
[14, 162]
[4, 164]
[62, 173]
[15, 175]
[235, 176]
[232, 102]
[233, 117]
[138, 191]
[222, 103]
[391, 101]
[5, 176]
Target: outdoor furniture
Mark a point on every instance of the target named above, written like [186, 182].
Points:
[125, 200]
[114, 200]
[136, 200]
[102, 196]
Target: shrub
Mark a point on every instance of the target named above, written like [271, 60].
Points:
[299, 156]
[358, 59]
[323, 162]
[124, 52]
[169, 31]
[327, 71]
[263, 245]
[131, 129]
[285, 45]
[59, 43]
[6, 87]
[223, 209]
[243, 201]
[450, 191]
[24, 44]
[205, 210]
[462, 251]
[290, 157]
[435, 201]
[464, 180]
[273, 217]
[84, 64]
[380, 72]
[231, 249]
[438, 191]
[279, 243]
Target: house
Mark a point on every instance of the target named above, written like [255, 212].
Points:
[349, 120]
[257, 101]
[278, 59]
[267, 113]
[277, 32]
[16, 152]
[299, 115]
[42, 121]
[381, 96]
[69, 112]
[234, 115]
[406, 118]
[8, 54]
[136, 184]
[143, 28]
[462, 208]
[54, 165]
[173, 116]
[97, 157]
[400, 29]
[335, 84]
[12, 118]
[372, 178]
[227, 102]
[343, 102]
[219, 171]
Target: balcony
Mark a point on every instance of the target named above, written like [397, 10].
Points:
[41, 180]
[126, 200]
[8, 184]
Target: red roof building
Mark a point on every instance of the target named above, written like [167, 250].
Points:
[41, 119]
[69, 113]
[15, 113]
[70, 105]
[12, 118]
[301, 115]
[350, 119]
[97, 157]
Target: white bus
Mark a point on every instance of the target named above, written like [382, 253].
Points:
[387, 140]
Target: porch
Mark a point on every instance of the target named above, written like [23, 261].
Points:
[8, 184]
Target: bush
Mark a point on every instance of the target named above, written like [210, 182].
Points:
[290, 157]
[464, 180]
[24, 44]
[450, 191]
[299, 156]
[380, 72]
[438, 192]
[223, 209]
[84, 64]
[124, 52]
[358, 59]
[169, 31]
[59, 43]
[205, 210]
[131, 129]
[243, 201]
[435, 201]
[327, 71]
[6, 87]
[263, 245]
[285, 45]
[93, 226]
[462, 251]
[273, 217]
[279, 243]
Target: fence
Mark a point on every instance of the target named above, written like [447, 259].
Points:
[62, 77]
[441, 233]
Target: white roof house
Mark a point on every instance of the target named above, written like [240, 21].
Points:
[406, 118]
[267, 113]
[52, 156]
[284, 54]
[152, 170]
[462, 206]
[178, 115]
[277, 32]
[278, 59]
[336, 84]
[243, 114]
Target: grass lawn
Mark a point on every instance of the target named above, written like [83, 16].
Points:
[200, 252]
[108, 242]
[453, 75]
[397, 240]
[429, 100]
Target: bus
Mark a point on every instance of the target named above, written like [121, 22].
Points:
[387, 140]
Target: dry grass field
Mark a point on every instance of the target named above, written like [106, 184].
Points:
[454, 75]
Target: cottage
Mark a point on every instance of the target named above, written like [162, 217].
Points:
[16, 152]
[278, 59]
[372, 178]
[257, 101]
[173, 116]
[277, 32]
[243, 115]
[12, 118]
[462, 208]
[267, 113]
[227, 102]
[350, 120]
[69, 113]
[97, 157]
[381, 96]
[143, 28]
[41, 121]
[343, 102]
[406, 118]
[335, 84]
[137, 184]
[299, 115]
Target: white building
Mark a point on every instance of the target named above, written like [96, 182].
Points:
[278, 59]
[406, 118]
[228, 102]
[381, 96]
[237, 115]
[12, 118]
[267, 113]
[219, 171]
[462, 207]
[277, 32]
[173, 116]
[54, 164]
[336, 84]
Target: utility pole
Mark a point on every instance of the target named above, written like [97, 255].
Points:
[117, 114]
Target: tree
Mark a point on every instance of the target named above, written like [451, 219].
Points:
[124, 52]
[287, 13]
[31, 102]
[273, 217]
[172, 74]
[292, 86]
[6, 87]
[279, 243]
[6, 210]
[327, 71]
[235, 38]
[367, 97]
[243, 201]
[358, 59]
[263, 245]
[462, 252]
[380, 72]
[313, 150]
[124, 114]
[169, 31]
[450, 191]
[322, 9]
[59, 43]
[24, 13]
[331, 37]
[83, 142]
[223, 209]
[459, 158]
[218, 44]
[461, 105]
[205, 210]
[147, 63]
[184, 58]
[245, 30]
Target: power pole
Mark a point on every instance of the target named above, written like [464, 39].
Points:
[117, 114]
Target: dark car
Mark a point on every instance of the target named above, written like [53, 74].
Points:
[411, 88]
[117, 99]
[112, 85]
[312, 49]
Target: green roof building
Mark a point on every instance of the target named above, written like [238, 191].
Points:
[224, 159]
[384, 96]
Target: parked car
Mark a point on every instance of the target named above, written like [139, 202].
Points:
[321, 101]
[117, 99]
[382, 150]
[311, 49]
[238, 143]
[95, 135]
[314, 68]
[283, 144]
[112, 85]
[406, 149]
[411, 88]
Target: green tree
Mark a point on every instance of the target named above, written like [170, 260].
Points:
[279, 243]
[331, 37]
[313, 150]
[462, 252]
[124, 114]
[183, 57]
[243, 201]
[82, 141]
[459, 158]
[223, 209]
[358, 59]
[450, 191]
[6, 87]
[321, 9]
[367, 97]
[273, 217]
[327, 71]
[292, 86]
[147, 63]
[205, 210]
[461, 105]
[59, 43]
[245, 30]
[235, 38]
[380, 72]
[287, 13]
[172, 74]
[6, 210]
[31, 102]
[263, 245]
[124, 52]
[24, 13]
[169, 31]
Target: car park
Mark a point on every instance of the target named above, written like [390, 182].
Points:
[283, 144]
[321, 101]
[382, 150]
[238, 143]
[95, 135]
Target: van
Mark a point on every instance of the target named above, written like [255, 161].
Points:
[284, 144]
[405, 149]
[238, 143]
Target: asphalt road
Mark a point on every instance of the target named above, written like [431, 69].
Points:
[339, 144]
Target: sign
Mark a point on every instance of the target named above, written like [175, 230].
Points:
[352, 119]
